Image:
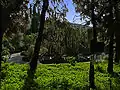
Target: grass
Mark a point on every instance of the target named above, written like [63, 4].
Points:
[58, 77]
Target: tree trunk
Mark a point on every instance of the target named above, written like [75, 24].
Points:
[0, 48]
[91, 72]
[110, 60]
[117, 49]
[117, 33]
[33, 62]
[110, 29]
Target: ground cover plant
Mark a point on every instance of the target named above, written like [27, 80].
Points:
[58, 77]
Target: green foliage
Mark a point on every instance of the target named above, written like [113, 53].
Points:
[22, 42]
[7, 48]
[71, 60]
[99, 68]
[17, 42]
[6, 44]
[43, 50]
[14, 76]
[28, 54]
[29, 40]
[105, 57]
[35, 20]
[58, 77]
[5, 52]
[64, 37]
[47, 77]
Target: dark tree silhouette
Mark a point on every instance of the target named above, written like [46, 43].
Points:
[91, 74]
[117, 49]
[5, 12]
[0, 48]
[110, 61]
[117, 32]
[33, 62]
[111, 37]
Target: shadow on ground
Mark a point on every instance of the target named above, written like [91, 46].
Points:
[116, 75]
[115, 84]
[29, 83]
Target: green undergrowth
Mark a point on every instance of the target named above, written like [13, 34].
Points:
[58, 77]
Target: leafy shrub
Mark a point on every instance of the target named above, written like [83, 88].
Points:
[71, 60]
[6, 46]
[5, 54]
[56, 77]
[100, 69]
[5, 51]
[14, 76]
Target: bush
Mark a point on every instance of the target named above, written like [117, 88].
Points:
[5, 51]
[71, 60]
[100, 69]
[7, 44]
[57, 77]
[7, 48]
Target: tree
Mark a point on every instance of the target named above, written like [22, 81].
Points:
[117, 32]
[7, 8]
[110, 28]
[64, 37]
[35, 20]
[107, 17]
[33, 62]
[103, 17]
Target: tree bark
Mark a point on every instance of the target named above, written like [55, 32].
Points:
[110, 29]
[117, 32]
[117, 49]
[33, 62]
[110, 60]
[1, 35]
[91, 72]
